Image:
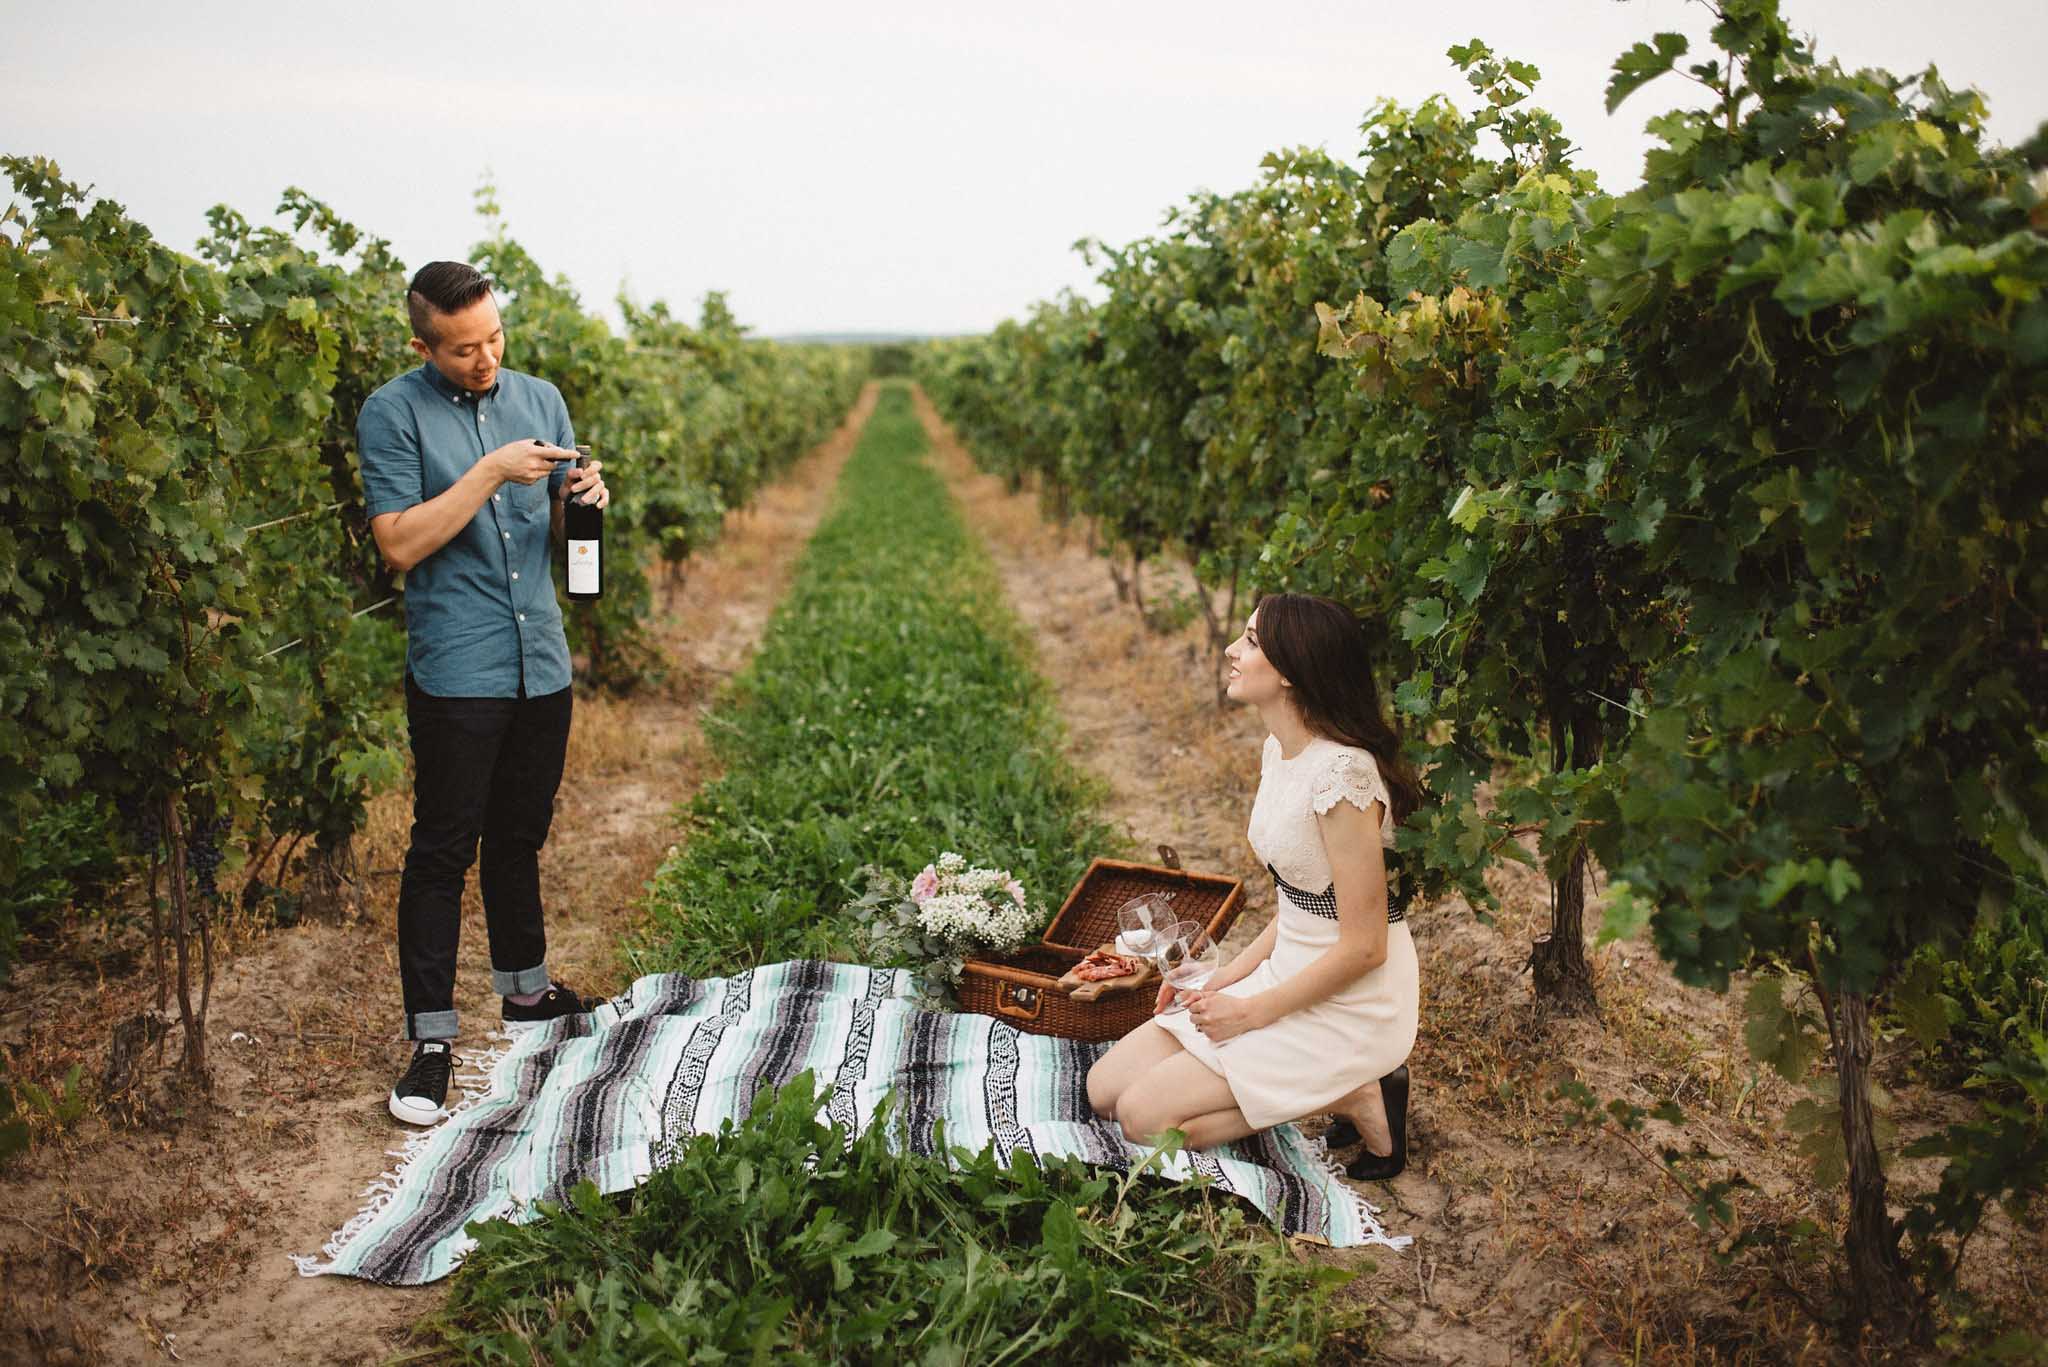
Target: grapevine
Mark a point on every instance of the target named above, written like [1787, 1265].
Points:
[1703, 524]
[201, 641]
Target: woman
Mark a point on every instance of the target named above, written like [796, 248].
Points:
[1320, 1009]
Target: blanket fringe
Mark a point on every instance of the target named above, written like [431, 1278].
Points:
[1368, 1213]
[474, 1087]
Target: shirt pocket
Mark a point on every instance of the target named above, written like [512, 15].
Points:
[530, 501]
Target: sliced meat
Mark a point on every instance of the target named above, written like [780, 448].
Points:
[1099, 967]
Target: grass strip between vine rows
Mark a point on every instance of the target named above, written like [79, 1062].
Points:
[890, 713]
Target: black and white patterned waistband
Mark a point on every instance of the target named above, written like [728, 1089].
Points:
[1324, 904]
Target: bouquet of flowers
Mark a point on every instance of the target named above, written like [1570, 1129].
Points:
[946, 914]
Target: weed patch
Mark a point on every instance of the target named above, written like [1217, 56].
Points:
[779, 1238]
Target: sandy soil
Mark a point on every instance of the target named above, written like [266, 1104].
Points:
[164, 1236]
[1535, 1240]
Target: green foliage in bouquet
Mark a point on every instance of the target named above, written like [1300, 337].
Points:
[949, 913]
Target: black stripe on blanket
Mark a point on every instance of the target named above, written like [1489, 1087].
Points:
[923, 1075]
[796, 1002]
[679, 1108]
[853, 1060]
[999, 1094]
[459, 1184]
[591, 1111]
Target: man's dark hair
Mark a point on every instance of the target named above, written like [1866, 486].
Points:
[442, 287]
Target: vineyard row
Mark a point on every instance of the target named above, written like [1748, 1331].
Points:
[1702, 529]
[191, 650]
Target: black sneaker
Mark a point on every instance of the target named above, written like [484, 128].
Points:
[420, 1096]
[557, 1001]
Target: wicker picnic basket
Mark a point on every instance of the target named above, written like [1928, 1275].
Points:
[1023, 988]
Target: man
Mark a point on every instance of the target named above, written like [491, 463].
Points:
[465, 478]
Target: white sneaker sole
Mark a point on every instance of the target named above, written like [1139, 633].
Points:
[415, 1110]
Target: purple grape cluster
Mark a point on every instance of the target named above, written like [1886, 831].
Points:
[140, 818]
[202, 853]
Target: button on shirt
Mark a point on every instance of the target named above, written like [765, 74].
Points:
[481, 618]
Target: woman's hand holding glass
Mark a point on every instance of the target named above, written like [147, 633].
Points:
[1221, 1016]
[1165, 945]
[1143, 925]
[1194, 973]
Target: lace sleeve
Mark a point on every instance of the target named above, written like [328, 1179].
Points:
[1351, 776]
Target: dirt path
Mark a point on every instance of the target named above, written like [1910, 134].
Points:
[1534, 1240]
[168, 1240]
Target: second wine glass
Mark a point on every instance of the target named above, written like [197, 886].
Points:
[1189, 959]
[1144, 924]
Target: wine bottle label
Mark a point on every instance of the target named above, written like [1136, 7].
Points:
[583, 566]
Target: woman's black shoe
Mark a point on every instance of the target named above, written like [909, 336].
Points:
[1342, 1134]
[1376, 1167]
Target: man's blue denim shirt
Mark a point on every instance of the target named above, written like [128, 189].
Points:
[481, 617]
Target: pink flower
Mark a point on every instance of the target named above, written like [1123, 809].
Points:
[924, 885]
[1017, 892]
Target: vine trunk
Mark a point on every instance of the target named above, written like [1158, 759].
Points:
[1880, 1290]
[1564, 977]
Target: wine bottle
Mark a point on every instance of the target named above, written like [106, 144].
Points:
[583, 529]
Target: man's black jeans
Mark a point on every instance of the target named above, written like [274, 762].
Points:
[484, 769]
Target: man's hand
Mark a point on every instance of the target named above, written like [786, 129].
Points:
[587, 478]
[525, 462]
[410, 536]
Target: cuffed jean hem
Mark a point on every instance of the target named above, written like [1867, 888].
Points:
[421, 1025]
[533, 979]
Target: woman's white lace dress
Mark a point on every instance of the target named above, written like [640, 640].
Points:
[1307, 1059]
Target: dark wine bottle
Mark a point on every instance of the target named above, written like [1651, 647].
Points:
[583, 529]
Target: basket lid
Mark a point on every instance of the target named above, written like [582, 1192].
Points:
[1088, 917]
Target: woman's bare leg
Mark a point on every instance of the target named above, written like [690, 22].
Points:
[1366, 1109]
[1130, 1058]
[1217, 1127]
[1175, 1094]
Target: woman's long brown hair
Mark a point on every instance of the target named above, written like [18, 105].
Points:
[1319, 647]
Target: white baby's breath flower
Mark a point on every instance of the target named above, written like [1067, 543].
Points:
[949, 915]
[960, 910]
[978, 881]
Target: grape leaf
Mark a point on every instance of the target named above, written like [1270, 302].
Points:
[1781, 1038]
[1642, 64]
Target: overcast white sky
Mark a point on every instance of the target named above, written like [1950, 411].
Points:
[892, 165]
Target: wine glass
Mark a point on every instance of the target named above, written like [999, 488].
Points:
[1143, 923]
[1189, 959]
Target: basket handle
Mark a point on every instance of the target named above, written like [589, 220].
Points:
[1022, 1002]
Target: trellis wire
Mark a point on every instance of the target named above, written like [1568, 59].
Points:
[360, 612]
[1612, 703]
[292, 517]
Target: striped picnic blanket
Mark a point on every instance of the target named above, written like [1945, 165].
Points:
[609, 1096]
